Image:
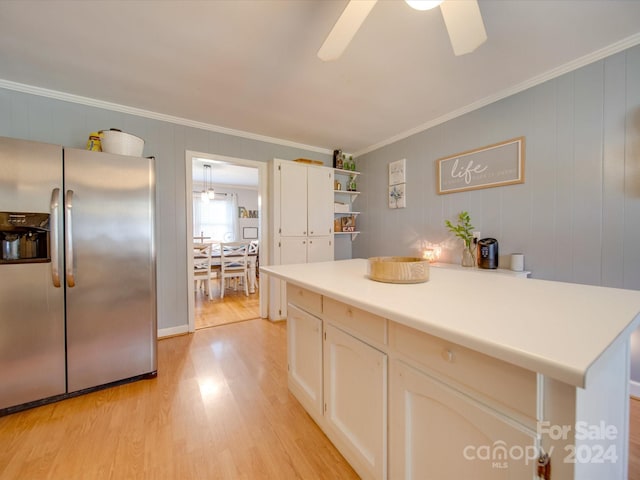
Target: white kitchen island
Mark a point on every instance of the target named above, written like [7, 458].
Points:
[469, 375]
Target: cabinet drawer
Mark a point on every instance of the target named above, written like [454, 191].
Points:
[501, 382]
[305, 299]
[364, 324]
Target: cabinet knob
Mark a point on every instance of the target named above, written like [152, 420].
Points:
[448, 355]
[311, 232]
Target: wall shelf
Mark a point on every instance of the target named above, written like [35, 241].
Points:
[340, 171]
[347, 192]
[344, 193]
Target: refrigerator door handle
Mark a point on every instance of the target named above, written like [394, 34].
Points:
[54, 222]
[68, 251]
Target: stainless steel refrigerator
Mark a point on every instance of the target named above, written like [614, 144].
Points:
[77, 271]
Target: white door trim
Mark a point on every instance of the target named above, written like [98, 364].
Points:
[263, 233]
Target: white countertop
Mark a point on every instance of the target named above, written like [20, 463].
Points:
[554, 328]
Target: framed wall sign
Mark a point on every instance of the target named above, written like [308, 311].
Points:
[491, 166]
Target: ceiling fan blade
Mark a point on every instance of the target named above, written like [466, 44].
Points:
[345, 28]
[464, 24]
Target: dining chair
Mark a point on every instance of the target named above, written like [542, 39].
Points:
[203, 270]
[254, 249]
[234, 264]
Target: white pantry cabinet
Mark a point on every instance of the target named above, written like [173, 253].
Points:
[304, 199]
[301, 216]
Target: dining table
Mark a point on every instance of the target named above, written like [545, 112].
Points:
[215, 260]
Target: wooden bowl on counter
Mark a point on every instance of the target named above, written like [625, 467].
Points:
[398, 269]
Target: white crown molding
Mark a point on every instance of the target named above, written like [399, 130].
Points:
[92, 102]
[592, 57]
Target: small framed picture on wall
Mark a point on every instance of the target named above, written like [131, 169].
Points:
[250, 233]
[397, 197]
[397, 172]
[397, 184]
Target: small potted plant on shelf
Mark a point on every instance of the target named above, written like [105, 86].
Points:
[464, 230]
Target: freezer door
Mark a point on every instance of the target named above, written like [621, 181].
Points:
[110, 268]
[32, 343]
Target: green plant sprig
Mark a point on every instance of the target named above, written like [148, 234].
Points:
[463, 229]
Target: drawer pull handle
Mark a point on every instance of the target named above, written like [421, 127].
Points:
[349, 312]
[448, 355]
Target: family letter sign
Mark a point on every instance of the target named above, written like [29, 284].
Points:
[486, 167]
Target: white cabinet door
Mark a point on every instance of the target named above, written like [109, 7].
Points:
[320, 201]
[320, 249]
[305, 249]
[437, 432]
[289, 250]
[293, 250]
[355, 387]
[304, 355]
[293, 199]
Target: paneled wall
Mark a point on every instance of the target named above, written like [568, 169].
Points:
[577, 216]
[43, 119]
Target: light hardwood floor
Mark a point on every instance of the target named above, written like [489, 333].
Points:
[234, 307]
[219, 409]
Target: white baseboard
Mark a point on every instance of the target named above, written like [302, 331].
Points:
[172, 331]
[634, 388]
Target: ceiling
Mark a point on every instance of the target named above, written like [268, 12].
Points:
[251, 65]
[224, 173]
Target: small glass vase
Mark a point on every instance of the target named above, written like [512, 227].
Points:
[468, 258]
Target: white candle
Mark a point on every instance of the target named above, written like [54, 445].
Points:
[517, 262]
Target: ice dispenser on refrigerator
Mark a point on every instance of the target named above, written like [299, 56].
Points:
[25, 237]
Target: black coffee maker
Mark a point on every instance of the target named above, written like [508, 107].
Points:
[488, 253]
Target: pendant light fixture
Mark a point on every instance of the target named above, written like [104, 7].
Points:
[208, 193]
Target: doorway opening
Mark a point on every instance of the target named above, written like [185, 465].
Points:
[226, 201]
